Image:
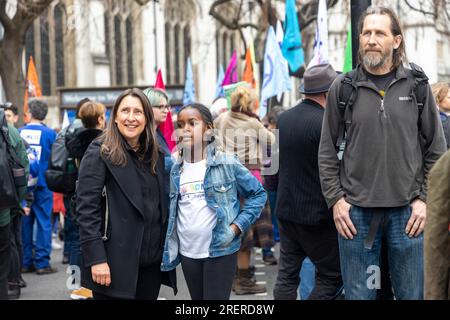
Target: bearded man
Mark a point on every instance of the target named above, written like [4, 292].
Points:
[379, 189]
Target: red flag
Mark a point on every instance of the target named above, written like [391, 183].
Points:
[168, 130]
[166, 127]
[33, 89]
[159, 81]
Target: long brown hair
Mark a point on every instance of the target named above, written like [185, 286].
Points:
[113, 146]
[399, 54]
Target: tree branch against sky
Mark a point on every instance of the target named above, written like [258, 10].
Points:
[13, 44]
[242, 19]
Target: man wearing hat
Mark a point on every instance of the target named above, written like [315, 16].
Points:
[305, 222]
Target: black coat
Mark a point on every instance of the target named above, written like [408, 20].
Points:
[125, 225]
[299, 195]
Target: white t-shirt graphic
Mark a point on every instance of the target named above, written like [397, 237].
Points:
[195, 220]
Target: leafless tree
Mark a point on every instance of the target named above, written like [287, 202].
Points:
[13, 43]
[307, 14]
[433, 8]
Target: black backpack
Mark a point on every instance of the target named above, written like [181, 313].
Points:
[12, 172]
[62, 173]
[348, 92]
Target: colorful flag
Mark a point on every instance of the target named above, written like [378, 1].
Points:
[231, 76]
[168, 131]
[276, 72]
[292, 42]
[255, 67]
[66, 121]
[248, 70]
[189, 86]
[159, 84]
[279, 33]
[33, 88]
[220, 78]
[348, 61]
[167, 127]
[321, 42]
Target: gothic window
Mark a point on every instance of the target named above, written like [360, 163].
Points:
[107, 35]
[118, 47]
[177, 49]
[59, 45]
[45, 56]
[129, 32]
[44, 41]
[29, 44]
[226, 43]
[179, 16]
[119, 32]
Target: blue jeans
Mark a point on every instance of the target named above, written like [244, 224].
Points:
[307, 279]
[41, 211]
[360, 266]
[71, 235]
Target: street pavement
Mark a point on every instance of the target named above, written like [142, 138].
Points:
[54, 286]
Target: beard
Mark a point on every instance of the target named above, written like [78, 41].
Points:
[375, 60]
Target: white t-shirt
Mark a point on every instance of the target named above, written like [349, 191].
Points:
[195, 220]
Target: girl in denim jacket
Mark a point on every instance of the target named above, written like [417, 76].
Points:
[206, 220]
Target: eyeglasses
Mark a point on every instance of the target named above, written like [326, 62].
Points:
[162, 107]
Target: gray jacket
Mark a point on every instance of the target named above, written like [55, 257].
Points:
[385, 162]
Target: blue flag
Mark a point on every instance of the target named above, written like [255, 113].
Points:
[276, 72]
[292, 42]
[189, 86]
[220, 78]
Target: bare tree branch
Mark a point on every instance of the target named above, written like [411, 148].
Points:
[422, 10]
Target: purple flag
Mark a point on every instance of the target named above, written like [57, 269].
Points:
[231, 76]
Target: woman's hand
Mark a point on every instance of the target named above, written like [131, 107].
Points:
[235, 229]
[101, 274]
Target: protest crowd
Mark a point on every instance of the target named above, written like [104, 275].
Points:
[352, 183]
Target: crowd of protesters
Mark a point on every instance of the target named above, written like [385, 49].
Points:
[363, 182]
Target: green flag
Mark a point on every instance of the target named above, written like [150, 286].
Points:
[348, 62]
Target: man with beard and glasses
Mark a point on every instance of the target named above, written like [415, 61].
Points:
[379, 189]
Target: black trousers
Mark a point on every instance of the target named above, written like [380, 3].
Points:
[148, 285]
[16, 249]
[210, 278]
[320, 244]
[5, 260]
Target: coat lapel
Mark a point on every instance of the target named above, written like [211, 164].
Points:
[128, 181]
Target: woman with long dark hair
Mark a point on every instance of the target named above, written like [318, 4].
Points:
[121, 206]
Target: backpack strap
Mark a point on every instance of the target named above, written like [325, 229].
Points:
[419, 90]
[347, 96]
